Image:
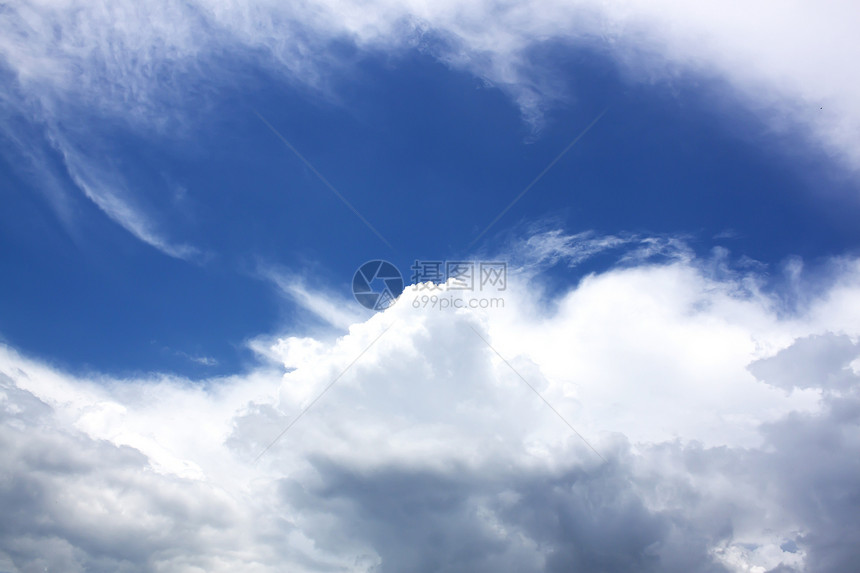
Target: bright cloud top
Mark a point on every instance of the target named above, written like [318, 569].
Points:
[430, 452]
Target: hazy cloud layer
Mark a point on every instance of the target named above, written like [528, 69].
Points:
[727, 432]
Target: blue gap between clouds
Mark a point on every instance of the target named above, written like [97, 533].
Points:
[429, 156]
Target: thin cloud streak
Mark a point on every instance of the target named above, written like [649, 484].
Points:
[104, 189]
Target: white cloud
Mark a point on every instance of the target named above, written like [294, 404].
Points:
[156, 67]
[107, 190]
[60, 169]
[430, 452]
[335, 311]
[791, 63]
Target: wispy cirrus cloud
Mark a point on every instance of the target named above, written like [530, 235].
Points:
[63, 173]
[792, 64]
[155, 68]
[106, 188]
[336, 311]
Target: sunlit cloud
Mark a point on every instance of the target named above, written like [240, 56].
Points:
[429, 451]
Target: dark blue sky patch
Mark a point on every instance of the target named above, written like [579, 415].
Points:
[428, 155]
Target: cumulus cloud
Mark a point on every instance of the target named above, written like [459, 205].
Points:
[822, 361]
[727, 424]
[427, 451]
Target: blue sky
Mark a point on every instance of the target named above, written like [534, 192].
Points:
[684, 286]
[429, 155]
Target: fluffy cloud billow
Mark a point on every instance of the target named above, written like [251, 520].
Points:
[711, 428]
